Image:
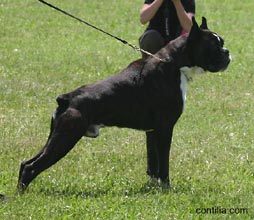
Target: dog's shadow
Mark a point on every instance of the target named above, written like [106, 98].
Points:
[146, 189]
[88, 193]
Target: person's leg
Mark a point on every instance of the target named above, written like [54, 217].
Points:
[151, 41]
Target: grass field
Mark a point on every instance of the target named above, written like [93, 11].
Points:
[44, 54]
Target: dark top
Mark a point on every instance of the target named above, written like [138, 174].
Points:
[167, 12]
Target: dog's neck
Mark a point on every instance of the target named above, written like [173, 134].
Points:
[173, 51]
[176, 51]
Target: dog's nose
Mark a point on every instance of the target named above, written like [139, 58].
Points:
[226, 51]
[227, 54]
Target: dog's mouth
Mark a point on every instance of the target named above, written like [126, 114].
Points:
[221, 63]
[226, 59]
[227, 63]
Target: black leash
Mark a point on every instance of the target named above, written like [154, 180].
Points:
[98, 29]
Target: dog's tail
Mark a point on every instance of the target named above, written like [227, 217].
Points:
[63, 102]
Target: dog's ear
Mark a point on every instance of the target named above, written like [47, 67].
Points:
[204, 24]
[195, 30]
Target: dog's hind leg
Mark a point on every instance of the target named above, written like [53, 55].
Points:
[37, 155]
[66, 132]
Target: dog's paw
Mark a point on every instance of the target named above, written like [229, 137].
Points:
[92, 131]
[2, 196]
[164, 184]
[155, 185]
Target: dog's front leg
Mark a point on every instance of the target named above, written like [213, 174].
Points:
[152, 154]
[163, 139]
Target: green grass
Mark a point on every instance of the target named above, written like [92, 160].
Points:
[44, 54]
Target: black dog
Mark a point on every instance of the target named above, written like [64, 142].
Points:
[147, 95]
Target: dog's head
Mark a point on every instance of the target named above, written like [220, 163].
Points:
[206, 48]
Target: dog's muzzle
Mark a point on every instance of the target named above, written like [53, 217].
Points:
[220, 62]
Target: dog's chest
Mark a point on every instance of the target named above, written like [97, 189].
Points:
[183, 87]
[187, 74]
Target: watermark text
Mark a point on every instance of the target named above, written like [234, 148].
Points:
[217, 210]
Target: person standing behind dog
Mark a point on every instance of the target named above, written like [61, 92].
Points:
[167, 19]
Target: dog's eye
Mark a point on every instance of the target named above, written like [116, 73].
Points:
[218, 40]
